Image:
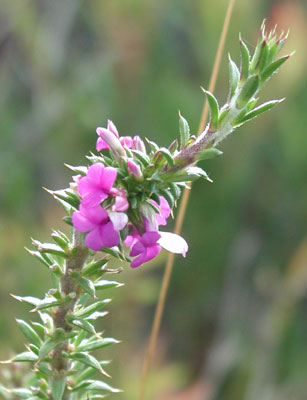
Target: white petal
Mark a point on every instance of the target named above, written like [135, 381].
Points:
[173, 243]
[119, 220]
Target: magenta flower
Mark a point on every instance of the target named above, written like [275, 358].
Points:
[146, 249]
[96, 185]
[165, 210]
[103, 228]
[109, 139]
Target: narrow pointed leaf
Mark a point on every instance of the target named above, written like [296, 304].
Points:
[168, 196]
[142, 157]
[105, 284]
[167, 155]
[234, 77]
[214, 109]
[86, 284]
[271, 69]
[29, 332]
[259, 110]
[47, 346]
[245, 59]
[93, 267]
[209, 153]
[90, 345]
[88, 360]
[58, 387]
[184, 131]
[85, 312]
[249, 89]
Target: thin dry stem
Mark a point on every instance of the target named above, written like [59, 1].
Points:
[181, 214]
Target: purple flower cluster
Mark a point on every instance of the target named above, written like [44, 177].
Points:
[104, 206]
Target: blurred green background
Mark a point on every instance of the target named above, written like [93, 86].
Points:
[235, 325]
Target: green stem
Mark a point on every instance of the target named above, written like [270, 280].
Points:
[79, 254]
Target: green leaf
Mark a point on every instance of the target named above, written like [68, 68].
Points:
[271, 69]
[48, 302]
[27, 299]
[96, 343]
[259, 110]
[29, 332]
[26, 356]
[105, 284]
[61, 239]
[88, 360]
[184, 131]
[4, 392]
[77, 170]
[245, 59]
[67, 197]
[58, 387]
[22, 393]
[168, 196]
[248, 90]
[95, 385]
[93, 268]
[43, 258]
[234, 77]
[49, 248]
[175, 190]
[154, 147]
[214, 109]
[47, 346]
[263, 56]
[87, 311]
[81, 323]
[86, 284]
[167, 155]
[209, 153]
[173, 146]
[142, 157]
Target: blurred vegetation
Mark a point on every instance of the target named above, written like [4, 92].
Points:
[235, 322]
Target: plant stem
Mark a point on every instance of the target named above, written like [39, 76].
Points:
[69, 287]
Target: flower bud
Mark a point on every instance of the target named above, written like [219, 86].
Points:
[138, 144]
[134, 170]
[113, 142]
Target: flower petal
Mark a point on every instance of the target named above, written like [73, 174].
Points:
[173, 243]
[137, 249]
[107, 178]
[119, 220]
[138, 261]
[150, 238]
[112, 128]
[81, 223]
[101, 145]
[94, 239]
[152, 252]
[96, 215]
[109, 234]
[94, 199]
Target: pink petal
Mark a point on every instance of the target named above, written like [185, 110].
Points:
[119, 220]
[138, 261]
[107, 178]
[95, 172]
[150, 238]
[96, 215]
[109, 234]
[93, 199]
[152, 252]
[121, 204]
[173, 243]
[137, 249]
[81, 223]
[126, 141]
[86, 185]
[112, 128]
[94, 239]
[101, 145]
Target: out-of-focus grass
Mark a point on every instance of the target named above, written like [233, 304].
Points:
[234, 320]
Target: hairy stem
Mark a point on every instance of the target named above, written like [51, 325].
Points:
[69, 287]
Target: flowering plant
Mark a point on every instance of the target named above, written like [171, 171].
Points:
[115, 207]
